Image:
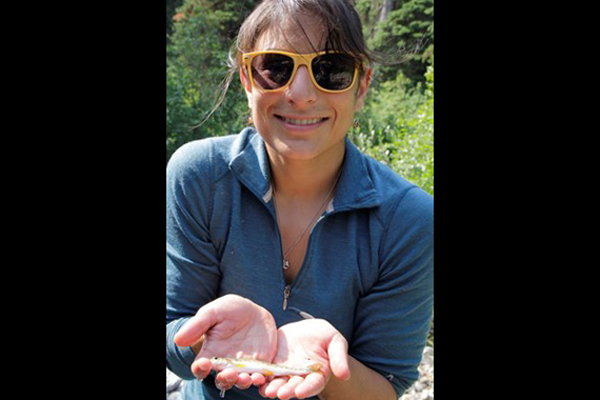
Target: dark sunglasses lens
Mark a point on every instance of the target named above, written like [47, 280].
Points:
[334, 71]
[272, 71]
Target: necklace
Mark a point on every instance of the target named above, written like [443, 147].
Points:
[286, 262]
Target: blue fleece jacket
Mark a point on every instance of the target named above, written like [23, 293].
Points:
[368, 268]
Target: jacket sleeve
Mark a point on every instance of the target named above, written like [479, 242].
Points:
[393, 317]
[193, 272]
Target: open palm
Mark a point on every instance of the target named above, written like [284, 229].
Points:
[232, 327]
[303, 343]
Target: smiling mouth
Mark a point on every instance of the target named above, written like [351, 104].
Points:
[299, 121]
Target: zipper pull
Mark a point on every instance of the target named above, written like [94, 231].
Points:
[286, 293]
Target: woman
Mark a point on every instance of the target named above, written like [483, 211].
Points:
[284, 242]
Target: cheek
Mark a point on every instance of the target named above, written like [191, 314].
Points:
[261, 104]
[358, 105]
[346, 110]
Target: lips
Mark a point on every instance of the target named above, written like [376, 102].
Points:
[301, 121]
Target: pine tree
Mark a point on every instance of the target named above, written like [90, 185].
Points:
[403, 31]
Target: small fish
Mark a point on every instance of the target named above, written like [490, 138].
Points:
[267, 369]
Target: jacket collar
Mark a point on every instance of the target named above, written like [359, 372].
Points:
[250, 163]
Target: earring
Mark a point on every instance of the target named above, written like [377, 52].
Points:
[355, 123]
[250, 120]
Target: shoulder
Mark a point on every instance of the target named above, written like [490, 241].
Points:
[406, 219]
[199, 155]
[399, 198]
[208, 157]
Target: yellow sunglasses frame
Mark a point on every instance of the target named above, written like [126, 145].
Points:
[299, 59]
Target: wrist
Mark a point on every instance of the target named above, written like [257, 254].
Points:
[364, 384]
[335, 387]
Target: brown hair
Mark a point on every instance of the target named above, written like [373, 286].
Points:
[340, 21]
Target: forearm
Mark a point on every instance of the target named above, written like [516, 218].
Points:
[364, 384]
[179, 359]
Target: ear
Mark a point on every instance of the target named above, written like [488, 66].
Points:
[245, 79]
[363, 87]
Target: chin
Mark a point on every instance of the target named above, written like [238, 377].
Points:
[299, 150]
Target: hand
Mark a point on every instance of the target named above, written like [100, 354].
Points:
[313, 339]
[232, 327]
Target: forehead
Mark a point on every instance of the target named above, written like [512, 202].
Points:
[302, 34]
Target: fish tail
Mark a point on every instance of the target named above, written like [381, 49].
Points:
[316, 367]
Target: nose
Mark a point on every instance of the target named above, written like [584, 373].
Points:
[302, 91]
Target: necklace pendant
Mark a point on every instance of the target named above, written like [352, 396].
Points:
[286, 265]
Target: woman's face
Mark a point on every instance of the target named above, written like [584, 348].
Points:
[303, 122]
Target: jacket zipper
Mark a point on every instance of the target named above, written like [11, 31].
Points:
[286, 293]
[287, 290]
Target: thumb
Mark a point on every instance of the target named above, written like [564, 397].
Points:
[338, 357]
[195, 327]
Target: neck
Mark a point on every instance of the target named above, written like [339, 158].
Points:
[301, 179]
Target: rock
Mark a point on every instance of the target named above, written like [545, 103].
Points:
[173, 385]
[422, 389]
[173, 396]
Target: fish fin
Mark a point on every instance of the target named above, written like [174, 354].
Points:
[267, 372]
[239, 365]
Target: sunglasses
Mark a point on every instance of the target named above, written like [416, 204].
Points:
[275, 70]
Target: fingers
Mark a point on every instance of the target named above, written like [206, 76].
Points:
[229, 377]
[195, 327]
[270, 389]
[338, 357]
[244, 381]
[312, 385]
[288, 390]
[201, 368]
[282, 388]
[258, 379]
[294, 387]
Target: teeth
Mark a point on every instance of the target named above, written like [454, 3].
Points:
[302, 121]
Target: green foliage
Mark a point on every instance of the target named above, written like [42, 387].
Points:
[396, 128]
[404, 34]
[196, 69]
[171, 7]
